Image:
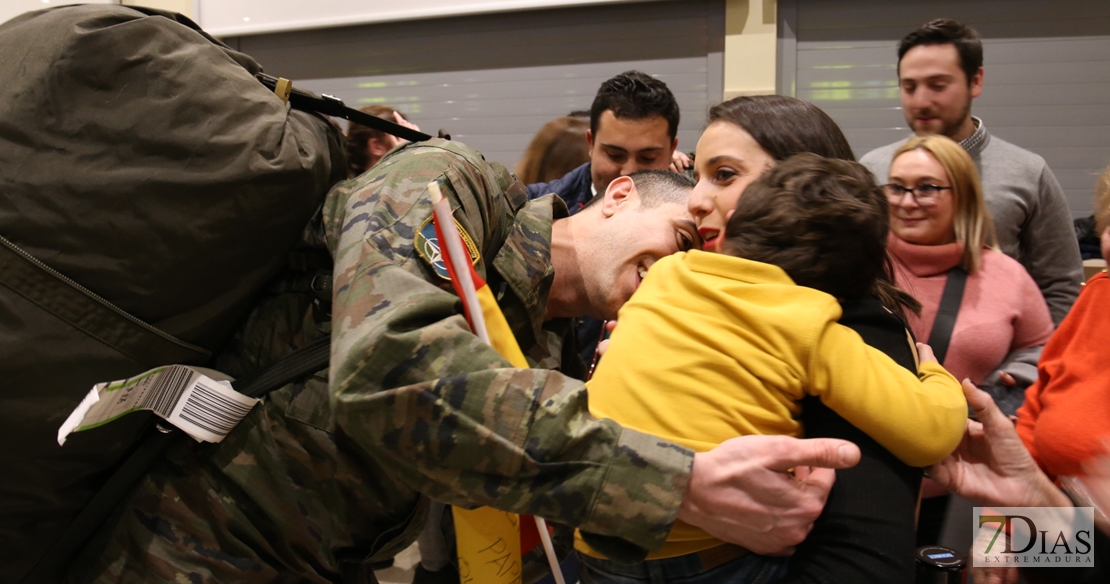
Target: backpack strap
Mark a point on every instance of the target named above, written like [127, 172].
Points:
[309, 359]
[333, 106]
[949, 309]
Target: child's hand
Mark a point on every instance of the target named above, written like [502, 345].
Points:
[925, 353]
[603, 345]
[609, 326]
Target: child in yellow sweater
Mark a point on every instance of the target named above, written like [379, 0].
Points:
[713, 346]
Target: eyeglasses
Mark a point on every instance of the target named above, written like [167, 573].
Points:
[923, 195]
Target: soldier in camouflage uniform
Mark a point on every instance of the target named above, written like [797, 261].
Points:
[315, 484]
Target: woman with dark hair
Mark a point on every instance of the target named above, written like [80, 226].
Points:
[866, 533]
[715, 345]
[366, 146]
[558, 148]
[784, 126]
[746, 136]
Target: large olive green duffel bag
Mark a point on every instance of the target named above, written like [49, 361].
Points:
[150, 187]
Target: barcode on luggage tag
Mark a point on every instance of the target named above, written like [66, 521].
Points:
[207, 410]
[212, 411]
[167, 390]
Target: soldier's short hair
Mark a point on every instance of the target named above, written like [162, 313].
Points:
[657, 187]
[945, 31]
[634, 95]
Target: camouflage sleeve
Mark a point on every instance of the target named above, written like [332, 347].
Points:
[413, 388]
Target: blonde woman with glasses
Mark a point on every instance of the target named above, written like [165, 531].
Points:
[938, 223]
[981, 311]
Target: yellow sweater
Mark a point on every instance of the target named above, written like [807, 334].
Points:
[712, 346]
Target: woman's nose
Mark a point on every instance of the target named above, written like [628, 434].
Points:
[906, 201]
[699, 204]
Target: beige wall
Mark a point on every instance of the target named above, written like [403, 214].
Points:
[749, 47]
[182, 6]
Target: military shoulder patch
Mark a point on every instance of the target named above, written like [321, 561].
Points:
[427, 246]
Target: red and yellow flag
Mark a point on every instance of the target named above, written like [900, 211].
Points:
[490, 542]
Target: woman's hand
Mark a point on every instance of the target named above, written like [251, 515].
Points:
[602, 345]
[400, 120]
[1095, 481]
[610, 326]
[991, 466]
[680, 161]
[995, 575]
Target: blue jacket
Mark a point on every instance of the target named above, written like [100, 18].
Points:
[573, 188]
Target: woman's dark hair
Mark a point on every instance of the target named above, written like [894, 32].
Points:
[823, 221]
[784, 126]
[358, 135]
[558, 148]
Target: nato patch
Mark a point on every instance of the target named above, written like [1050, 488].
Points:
[427, 246]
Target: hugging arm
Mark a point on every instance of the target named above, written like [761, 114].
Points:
[887, 401]
[866, 532]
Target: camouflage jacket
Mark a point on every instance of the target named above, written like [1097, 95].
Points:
[442, 411]
[312, 487]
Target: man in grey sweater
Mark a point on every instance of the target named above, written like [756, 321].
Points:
[940, 71]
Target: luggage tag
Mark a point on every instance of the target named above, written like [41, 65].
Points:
[187, 397]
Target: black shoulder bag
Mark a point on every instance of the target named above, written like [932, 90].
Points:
[1008, 398]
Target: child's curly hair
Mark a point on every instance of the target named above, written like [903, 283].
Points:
[823, 221]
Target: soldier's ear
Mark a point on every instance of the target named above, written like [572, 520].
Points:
[620, 194]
